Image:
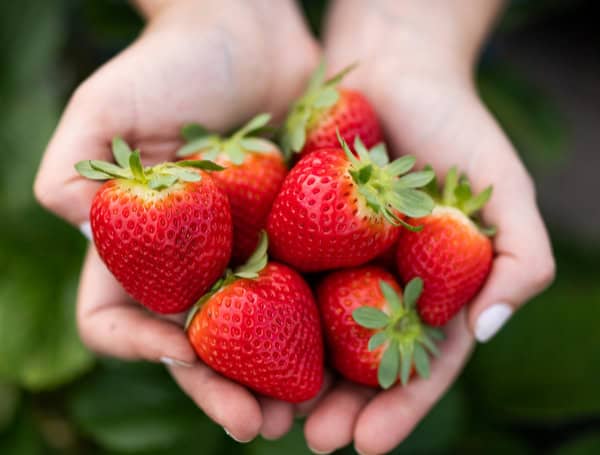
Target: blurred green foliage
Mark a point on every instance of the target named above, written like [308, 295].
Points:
[534, 388]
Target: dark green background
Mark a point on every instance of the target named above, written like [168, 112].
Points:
[535, 388]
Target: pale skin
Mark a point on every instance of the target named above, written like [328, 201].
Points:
[219, 63]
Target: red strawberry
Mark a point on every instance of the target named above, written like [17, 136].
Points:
[260, 327]
[452, 254]
[312, 122]
[371, 334]
[254, 172]
[337, 210]
[164, 232]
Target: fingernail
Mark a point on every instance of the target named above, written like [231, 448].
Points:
[318, 452]
[234, 438]
[358, 451]
[86, 229]
[175, 363]
[491, 320]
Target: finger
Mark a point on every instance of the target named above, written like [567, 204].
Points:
[229, 404]
[524, 264]
[523, 267]
[331, 424]
[306, 407]
[391, 416]
[278, 417]
[111, 324]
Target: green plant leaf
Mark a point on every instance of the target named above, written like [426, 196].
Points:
[197, 145]
[256, 123]
[450, 185]
[370, 317]
[387, 373]
[235, 152]
[421, 361]
[476, 203]
[121, 152]
[193, 131]
[391, 296]
[110, 169]
[377, 340]
[200, 164]
[160, 181]
[415, 179]
[401, 165]
[411, 202]
[135, 164]
[406, 358]
[379, 155]
[255, 144]
[135, 407]
[326, 98]
[86, 170]
[412, 292]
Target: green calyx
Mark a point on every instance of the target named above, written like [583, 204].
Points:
[249, 271]
[457, 193]
[129, 167]
[408, 342]
[388, 187]
[236, 147]
[320, 95]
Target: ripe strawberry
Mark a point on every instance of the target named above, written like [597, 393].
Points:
[164, 232]
[371, 333]
[254, 172]
[337, 210]
[452, 253]
[260, 326]
[313, 119]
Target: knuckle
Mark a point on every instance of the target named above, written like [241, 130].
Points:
[544, 273]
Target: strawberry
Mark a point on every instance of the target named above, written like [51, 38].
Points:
[260, 326]
[337, 210]
[254, 172]
[373, 334]
[164, 232]
[313, 119]
[452, 253]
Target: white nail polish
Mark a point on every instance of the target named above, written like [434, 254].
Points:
[234, 438]
[86, 229]
[175, 363]
[491, 320]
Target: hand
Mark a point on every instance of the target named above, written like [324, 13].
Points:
[415, 65]
[209, 61]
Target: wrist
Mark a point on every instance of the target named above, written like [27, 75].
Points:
[421, 34]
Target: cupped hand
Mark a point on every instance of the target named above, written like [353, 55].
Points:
[214, 62]
[416, 68]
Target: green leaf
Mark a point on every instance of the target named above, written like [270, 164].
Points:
[200, 164]
[110, 169]
[379, 155]
[121, 152]
[135, 164]
[370, 317]
[9, 402]
[377, 340]
[415, 179]
[391, 296]
[317, 78]
[412, 292]
[234, 152]
[160, 181]
[430, 345]
[406, 355]
[463, 191]
[337, 78]
[255, 144]
[411, 202]
[476, 203]
[364, 174]
[86, 170]
[450, 184]
[421, 361]
[256, 123]
[137, 406]
[326, 98]
[193, 131]
[197, 145]
[387, 373]
[401, 165]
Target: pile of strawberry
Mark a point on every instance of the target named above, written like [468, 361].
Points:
[344, 225]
